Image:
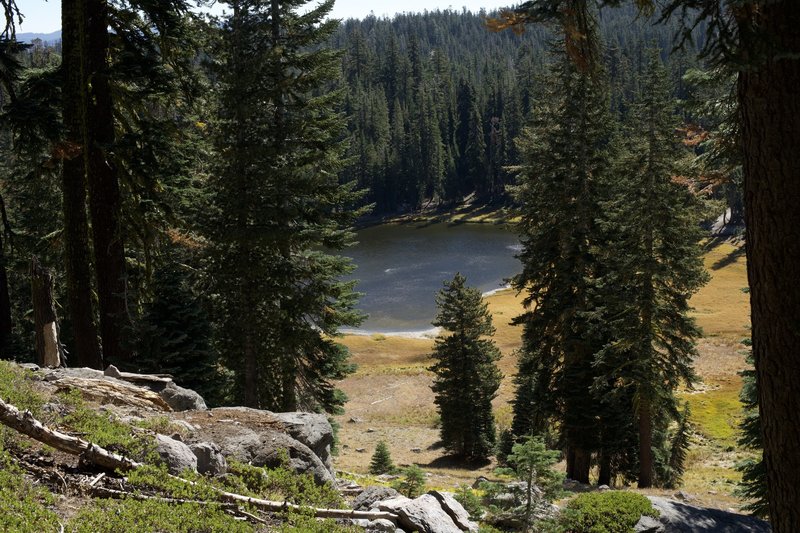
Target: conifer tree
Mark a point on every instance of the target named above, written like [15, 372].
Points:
[467, 377]
[279, 207]
[381, 462]
[754, 472]
[565, 159]
[654, 263]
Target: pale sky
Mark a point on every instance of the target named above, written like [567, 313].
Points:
[45, 16]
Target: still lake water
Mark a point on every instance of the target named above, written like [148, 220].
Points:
[402, 267]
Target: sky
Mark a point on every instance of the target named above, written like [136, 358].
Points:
[45, 16]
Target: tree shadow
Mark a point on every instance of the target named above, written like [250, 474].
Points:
[457, 462]
[729, 258]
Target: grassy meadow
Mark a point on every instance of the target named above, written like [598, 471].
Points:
[390, 397]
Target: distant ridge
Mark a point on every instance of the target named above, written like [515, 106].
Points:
[45, 37]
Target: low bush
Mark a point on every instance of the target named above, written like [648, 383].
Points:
[605, 512]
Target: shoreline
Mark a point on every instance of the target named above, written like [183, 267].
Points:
[429, 333]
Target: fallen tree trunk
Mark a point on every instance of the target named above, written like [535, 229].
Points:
[25, 423]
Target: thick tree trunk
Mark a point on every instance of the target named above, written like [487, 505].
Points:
[77, 263]
[579, 462]
[105, 201]
[645, 443]
[770, 107]
[49, 352]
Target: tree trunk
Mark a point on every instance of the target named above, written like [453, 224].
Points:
[250, 373]
[604, 475]
[579, 462]
[105, 201]
[645, 444]
[73, 183]
[770, 107]
[49, 352]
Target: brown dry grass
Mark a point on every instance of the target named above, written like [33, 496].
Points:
[390, 395]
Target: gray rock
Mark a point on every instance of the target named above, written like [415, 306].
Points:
[423, 514]
[375, 526]
[381, 525]
[312, 429]
[209, 458]
[648, 524]
[180, 399]
[84, 373]
[33, 367]
[678, 517]
[456, 511]
[113, 372]
[372, 494]
[177, 456]
[268, 447]
[603, 488]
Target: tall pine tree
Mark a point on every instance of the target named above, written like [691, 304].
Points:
[653, 261]
[565, 159]
[279, 208]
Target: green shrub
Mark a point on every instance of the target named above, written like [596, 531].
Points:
[605, 512]
[23, 507]
[104, 429]
[470, 501]
[280, 483]
[16, 388]
[412, 484]
[133, 516]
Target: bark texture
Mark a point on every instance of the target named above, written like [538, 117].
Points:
[105, 199]
[77, 263]
[770, 108]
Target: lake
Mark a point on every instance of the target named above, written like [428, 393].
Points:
[402, 267]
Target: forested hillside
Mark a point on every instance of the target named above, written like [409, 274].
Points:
[435, 101]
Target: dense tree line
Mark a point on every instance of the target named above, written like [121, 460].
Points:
[435, 101]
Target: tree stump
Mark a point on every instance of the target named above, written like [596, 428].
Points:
[49, 351]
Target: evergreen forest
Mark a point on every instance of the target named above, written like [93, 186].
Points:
[179, 192]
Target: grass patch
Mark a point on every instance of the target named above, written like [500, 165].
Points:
[104, 429]
[716, 414]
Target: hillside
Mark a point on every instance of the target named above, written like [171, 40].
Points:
[390, 397]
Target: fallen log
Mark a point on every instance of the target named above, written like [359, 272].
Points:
[25, 423]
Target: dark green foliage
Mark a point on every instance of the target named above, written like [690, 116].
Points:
[435, 100]
[412, 482]
[670, 449]
[754, 473]
[653, 261]
[533, 463]
[467, 377]
[566, 157]
[174, 336]
[605, 512]
[381, 462]
[278, 209]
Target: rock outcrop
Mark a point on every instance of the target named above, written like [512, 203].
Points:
[435, 512]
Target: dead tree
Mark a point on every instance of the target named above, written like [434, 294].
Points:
[49, 351]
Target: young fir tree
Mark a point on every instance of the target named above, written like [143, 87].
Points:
[566, 157]
[279, 209]
[467, 377]
[753, 486]
[381, 462]
[654, 263]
